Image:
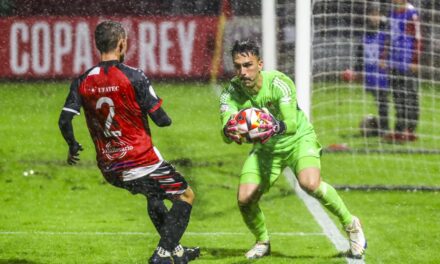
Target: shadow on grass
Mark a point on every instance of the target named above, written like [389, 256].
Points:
[16, 261]
[222, 253]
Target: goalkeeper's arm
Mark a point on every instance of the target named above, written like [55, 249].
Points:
[288, 112]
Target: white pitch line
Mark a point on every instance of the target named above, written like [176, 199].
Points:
[51, 233]
[328, 226]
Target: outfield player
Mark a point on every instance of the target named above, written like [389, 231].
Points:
[405, 55]
[117, 100]
[288, 141]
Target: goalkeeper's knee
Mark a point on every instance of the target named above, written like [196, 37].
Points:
[309, 179]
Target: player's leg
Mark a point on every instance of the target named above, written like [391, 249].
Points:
[382, 105]
[177, 218]
[248, 197]
[398, 84]
[412, 104]
[310, 180]
[258, 173]
[306, 163]
[163, 183]
[157, 211]
[166, 183]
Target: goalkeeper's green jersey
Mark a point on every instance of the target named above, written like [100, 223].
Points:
[278, 95]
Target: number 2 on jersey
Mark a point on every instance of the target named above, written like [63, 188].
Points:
[111, 114]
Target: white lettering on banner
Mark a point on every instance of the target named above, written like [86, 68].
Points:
[186, 44]
[165, 45]
[62, 31]
[147, 43]
[41, 55]
[19, 65]
[83, 59]
[66, 47]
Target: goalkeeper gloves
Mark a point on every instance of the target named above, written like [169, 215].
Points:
[231, 131]
[73, 155]
[270, 126]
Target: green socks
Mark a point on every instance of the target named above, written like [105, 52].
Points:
[254, 219]
[331, 200]
[326, 194]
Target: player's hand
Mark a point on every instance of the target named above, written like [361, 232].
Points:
[73, 155]
[270, 126]
[231, 131]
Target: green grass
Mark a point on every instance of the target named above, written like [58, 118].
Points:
[65, 214]
[337, 112]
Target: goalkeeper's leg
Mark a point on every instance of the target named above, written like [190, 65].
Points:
[248, 197]
[310, 180]
[259, 173]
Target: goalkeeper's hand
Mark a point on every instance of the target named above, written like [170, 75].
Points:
[231, 131]
[270, 126]
[73, 155]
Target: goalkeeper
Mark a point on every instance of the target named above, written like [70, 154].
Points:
[288, 140]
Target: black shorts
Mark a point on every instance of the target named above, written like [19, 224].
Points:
[164, 182]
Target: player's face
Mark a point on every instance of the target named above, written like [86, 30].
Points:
[374, 19]
[247, 68]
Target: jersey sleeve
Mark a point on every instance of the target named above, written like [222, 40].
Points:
[73, 100]
[145, 95]
[228, 107]
[285, 92]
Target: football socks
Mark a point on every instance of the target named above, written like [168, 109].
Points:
[157, 212]
[255, 221]
[175, 224]
[331, 200]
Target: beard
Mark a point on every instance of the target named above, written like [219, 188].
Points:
[122, 58]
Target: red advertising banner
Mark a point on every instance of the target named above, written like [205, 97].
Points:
[63, 47]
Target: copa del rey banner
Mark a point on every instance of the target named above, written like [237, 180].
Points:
[63, 47]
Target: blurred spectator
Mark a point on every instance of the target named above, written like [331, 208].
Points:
[374, 55]
[405, 54]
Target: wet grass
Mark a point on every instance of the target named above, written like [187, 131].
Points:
[65, 214]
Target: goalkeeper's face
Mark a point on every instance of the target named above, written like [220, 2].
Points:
[247, 68]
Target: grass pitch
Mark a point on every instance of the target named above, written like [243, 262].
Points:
[65, 214]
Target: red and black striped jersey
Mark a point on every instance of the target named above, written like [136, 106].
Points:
[116, 100]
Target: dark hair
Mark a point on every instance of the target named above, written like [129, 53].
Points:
[247, 46]
[107, 35]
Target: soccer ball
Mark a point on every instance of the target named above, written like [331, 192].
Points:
[369, 126]
[248, 124]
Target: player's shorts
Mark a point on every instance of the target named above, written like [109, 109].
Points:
[264, 168]
[164, 182]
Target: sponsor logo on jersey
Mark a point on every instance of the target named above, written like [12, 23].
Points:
[116, 149]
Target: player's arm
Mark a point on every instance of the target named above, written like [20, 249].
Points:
[160, 117]
[228, 109]
[70, 110]
[285, 91]
[150, 103]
